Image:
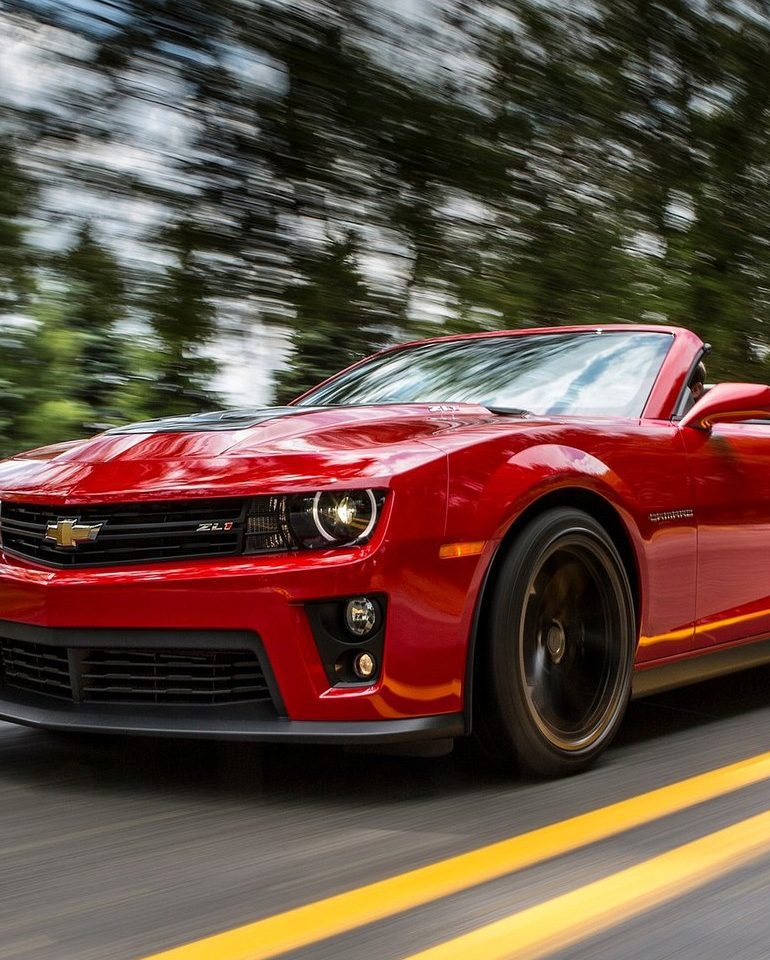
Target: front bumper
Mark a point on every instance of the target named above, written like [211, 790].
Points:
[262, 602]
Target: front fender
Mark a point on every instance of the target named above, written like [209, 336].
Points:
[488, 510]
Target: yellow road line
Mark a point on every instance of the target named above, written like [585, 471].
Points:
[346, 911]
[565, 920]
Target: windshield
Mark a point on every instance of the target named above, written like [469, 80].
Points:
[591, 373]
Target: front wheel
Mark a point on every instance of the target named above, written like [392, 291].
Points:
[556, 667]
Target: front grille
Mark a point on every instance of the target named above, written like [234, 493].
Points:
[145, 532]
[133, 675]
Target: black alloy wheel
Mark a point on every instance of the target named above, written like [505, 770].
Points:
[558, 654]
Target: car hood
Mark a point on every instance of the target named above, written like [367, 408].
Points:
[242, 452]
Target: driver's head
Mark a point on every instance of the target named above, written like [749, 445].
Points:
[698, 382]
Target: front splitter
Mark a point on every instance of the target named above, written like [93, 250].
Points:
[213, 723]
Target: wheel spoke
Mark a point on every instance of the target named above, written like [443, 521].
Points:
[570, 582]
[566, 699]
[536, 676]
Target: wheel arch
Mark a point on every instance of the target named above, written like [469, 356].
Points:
[592, 503]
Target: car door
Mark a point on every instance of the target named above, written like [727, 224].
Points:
[730, 466]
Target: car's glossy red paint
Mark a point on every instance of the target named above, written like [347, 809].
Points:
[693, 509]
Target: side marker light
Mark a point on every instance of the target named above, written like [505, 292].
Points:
[467, 549]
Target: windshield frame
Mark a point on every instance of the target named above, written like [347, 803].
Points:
[673, 334]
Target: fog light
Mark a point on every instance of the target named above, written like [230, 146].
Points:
[361, 616]
[364, 665]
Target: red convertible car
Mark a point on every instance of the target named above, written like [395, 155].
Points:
[507, 534]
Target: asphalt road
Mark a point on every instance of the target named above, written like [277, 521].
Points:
[120, 848]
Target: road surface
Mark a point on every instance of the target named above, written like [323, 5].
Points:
[125, 848]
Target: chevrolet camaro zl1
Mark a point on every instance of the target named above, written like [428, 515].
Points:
[507, 534]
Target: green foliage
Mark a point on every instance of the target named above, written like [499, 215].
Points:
[358, 179]
[16, 260]
[54, 419]
[329, 330]
[67, 366]
[183, 321]
[52, 410]
[95, 306]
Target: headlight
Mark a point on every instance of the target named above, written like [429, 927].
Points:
[334, 518]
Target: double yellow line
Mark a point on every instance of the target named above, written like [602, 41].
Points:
[565, 920]
[533, 932]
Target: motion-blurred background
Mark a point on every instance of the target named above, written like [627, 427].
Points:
[214, 202]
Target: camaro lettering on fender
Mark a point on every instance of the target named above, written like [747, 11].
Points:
[664, 515]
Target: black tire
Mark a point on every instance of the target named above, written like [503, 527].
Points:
[557, 655]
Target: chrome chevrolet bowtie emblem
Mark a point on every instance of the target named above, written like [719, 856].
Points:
[69, 533]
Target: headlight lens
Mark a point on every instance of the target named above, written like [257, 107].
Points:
[334, 517]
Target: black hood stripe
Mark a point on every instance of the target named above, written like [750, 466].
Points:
[240, 419]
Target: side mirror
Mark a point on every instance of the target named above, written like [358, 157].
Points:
[729, 403]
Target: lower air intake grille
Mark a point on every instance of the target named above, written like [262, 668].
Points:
[36, 667]
[162, 676]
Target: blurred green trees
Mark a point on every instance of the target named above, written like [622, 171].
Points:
[357, 172]
[182, 318]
